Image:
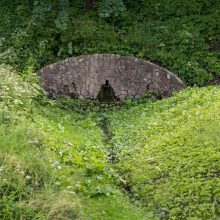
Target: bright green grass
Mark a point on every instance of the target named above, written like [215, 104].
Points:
[54, 160]
[27, 181]
[53, 164]
[170, 152]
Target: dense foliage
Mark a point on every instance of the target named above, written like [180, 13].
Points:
[163, 155]
[53, 162]
[178, 35]
[143, 159]
[169, 153]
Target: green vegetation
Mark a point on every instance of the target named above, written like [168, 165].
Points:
[53, 163]
[79, 159]
[178, 35]
[162, 156]
[169, 153]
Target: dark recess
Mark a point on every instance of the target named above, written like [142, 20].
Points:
[106, 93]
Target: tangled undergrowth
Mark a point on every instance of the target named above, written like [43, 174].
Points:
[180, 36]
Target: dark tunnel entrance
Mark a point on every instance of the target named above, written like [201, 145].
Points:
[106, 93]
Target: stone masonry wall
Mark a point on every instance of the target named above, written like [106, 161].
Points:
[83, 76]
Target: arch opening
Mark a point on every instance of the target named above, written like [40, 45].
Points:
[106, 93]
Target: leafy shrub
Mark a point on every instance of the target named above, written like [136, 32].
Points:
[111, 8]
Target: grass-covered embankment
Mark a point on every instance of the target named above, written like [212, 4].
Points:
[57, 163]
[169, 153]
[53, 164]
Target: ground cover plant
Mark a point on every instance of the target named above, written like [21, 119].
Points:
[169, 152]
[79, 159]
[182, 37]
[54, 164]
[142, 160]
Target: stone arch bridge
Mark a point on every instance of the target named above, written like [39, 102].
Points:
[129, 77]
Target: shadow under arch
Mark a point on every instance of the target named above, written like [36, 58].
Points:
[106, 93]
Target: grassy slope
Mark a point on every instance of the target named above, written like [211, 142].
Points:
[170, 151]
[53, 159]
[178, 35]
[53, 163]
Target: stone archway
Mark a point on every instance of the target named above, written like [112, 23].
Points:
[128, 77]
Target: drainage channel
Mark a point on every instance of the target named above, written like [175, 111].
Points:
[104, 123]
